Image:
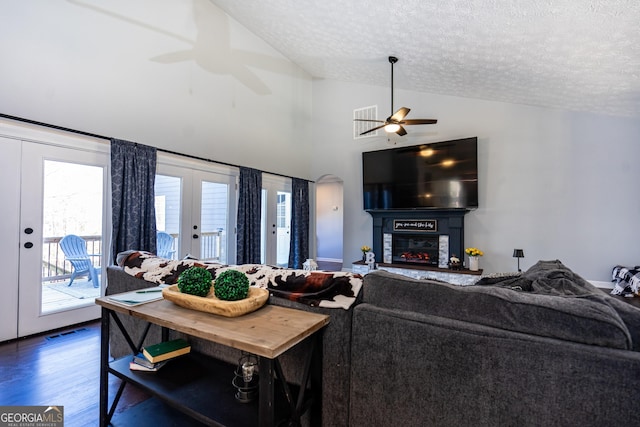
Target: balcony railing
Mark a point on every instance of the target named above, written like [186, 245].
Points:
[56, 267]
[211, 246]
[54, 264]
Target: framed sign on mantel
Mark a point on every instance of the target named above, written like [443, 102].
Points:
[428, 225]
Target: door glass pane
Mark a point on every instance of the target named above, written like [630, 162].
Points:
[283, 226]
[213, 222]
[167, 203]
[72, 204]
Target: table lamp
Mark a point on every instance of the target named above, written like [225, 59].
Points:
[518, 253]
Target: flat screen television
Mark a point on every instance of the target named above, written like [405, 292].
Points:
[437, 175]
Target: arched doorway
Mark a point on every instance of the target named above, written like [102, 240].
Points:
[329, 220]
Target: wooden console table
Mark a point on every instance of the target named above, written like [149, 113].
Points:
[267, 333]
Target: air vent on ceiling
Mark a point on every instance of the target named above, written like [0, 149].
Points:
[366, 113]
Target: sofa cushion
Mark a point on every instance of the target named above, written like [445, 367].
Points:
[586, 319]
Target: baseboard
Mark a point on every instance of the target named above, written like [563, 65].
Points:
[329, 260]
[599, 284]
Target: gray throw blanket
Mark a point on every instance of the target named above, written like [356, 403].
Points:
[545, 278]
[554, 279]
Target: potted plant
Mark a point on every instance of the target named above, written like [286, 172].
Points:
[474, 256]
[364, 250]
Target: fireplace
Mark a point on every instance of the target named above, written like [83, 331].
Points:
[415, 249]
[423, 238]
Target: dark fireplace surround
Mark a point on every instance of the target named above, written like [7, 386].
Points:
[415, 236]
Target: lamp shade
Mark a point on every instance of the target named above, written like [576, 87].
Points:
[518, 253]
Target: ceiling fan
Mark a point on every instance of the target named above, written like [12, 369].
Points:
[395, 122]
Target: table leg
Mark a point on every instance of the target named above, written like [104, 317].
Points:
[104, 365]
[266, 392]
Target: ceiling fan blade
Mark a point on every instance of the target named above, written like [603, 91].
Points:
[373, 129]
[368, 120]
[401, 131]
[400, 114]
[419, 122]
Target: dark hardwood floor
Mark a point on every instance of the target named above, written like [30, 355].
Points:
[60, 368]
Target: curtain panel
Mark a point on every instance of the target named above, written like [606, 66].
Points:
[249, 210]
[299, 244]
[133, 175]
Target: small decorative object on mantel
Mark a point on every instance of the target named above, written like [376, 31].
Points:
[454, 262]
[364, 250]
[474, 258]
[370, 260]
[310, 265]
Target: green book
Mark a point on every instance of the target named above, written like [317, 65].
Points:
[166, 350]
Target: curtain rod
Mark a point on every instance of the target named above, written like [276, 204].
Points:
[94, 135]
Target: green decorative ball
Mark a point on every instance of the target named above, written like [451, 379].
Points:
[231, 285]
[195, 281]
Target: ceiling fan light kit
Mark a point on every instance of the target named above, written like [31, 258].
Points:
[392, 128]
[395, 122]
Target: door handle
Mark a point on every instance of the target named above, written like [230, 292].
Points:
[28, 230]
[195, 236]
[28, 245]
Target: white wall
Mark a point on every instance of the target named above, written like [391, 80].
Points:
[179, 75]
[185, 77]
[559, 185]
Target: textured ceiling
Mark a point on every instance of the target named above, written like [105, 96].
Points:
[569, 54]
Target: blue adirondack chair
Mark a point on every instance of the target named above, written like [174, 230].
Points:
[164, 245]
[75, 251]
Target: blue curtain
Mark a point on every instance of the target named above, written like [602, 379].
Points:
[299, 246]
[249, 210]
[133, 175]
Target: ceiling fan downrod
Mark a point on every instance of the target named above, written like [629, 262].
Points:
[392, 60]
[397, 120]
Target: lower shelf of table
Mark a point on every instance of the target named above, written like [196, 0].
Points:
[199, 387]
[153, 412]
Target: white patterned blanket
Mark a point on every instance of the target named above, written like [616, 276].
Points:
[314, 288]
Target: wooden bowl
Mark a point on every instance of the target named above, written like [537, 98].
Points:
[211, 304]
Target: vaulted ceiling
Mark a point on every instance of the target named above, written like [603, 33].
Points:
[569, 54]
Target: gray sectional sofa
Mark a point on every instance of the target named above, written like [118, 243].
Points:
[543, 348]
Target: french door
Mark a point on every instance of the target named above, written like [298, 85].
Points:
[276, 220]
[50, 191]
[10, 152]
[197, 207]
